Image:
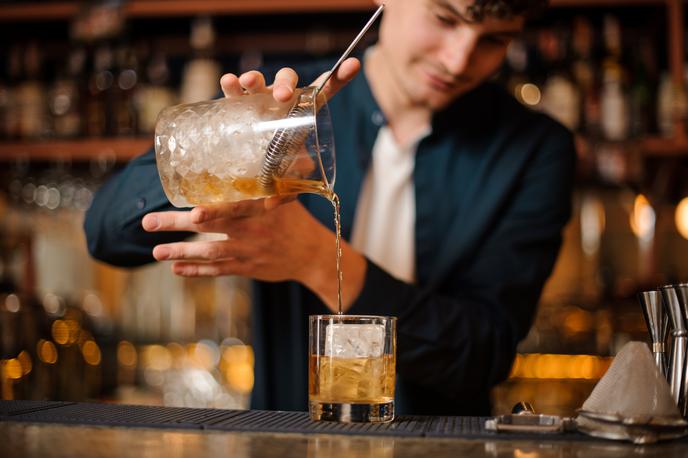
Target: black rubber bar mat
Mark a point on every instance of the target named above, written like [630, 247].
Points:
[94, 414]
[12, 408]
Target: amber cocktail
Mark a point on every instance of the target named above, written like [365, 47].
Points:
[352, 368]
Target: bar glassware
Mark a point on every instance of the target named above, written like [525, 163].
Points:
[226, 150]
[352, 368]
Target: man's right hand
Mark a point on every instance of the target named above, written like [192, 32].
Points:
[286, 79]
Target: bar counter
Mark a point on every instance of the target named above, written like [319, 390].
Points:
[68, 436]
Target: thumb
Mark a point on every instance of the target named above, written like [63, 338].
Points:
[345, 73]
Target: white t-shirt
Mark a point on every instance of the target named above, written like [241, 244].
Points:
[384, 225]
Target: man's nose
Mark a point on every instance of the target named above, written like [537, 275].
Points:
[458, 49]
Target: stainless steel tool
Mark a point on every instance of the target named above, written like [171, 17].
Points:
[285, 140]
[679, 333]
[682, 294]
[657, 324]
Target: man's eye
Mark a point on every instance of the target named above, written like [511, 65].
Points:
[445, 20]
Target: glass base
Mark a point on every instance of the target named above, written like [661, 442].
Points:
[351, 413]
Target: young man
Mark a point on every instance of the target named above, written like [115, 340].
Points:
[453, 201]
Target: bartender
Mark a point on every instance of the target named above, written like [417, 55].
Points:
[454, 197]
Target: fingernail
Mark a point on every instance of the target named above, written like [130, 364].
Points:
[151, 223]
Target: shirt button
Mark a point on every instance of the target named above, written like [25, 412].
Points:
[141, 203]
[377, 118]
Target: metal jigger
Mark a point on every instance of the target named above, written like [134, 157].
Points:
[682, 294]
[658, 325]
[678, 352]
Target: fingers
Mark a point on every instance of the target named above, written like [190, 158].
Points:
[201, 250]
[253, 82]
[230, 85]
[284, 84]
[210, 269]
[345, 73]
[286, 80]
[250, 82]
[168, 221]
[206, 213]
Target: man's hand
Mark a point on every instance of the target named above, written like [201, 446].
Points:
[285, 82]
[271, 239]
[266, 240]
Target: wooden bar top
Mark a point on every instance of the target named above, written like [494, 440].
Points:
[48, 440]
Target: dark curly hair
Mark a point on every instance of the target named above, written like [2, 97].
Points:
[504, 9]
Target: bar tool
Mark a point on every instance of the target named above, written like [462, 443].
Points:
[285, 140]
[682, 294]
[657, 324]
[679, 334]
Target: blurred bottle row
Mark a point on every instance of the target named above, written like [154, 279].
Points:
[601, 78]
[107, 87]
[104, 91]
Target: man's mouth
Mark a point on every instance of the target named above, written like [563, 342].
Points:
[439, 83]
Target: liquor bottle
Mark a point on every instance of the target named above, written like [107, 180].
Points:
[560, 96]
[30, 97]
[126, 86]
[666, 94]
[201, 75]
[641, 102]
[5, 95]
[65, 98]
[614, 99]
[585, 75]
[99, 104]
[155, 92]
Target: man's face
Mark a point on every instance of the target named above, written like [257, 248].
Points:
[435, 51]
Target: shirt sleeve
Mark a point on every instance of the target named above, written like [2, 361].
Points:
[113, 222]
[461, 336]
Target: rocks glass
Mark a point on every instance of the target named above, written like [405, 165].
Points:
[352, 368]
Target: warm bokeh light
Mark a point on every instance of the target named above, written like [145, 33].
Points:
[156, 357]
[126, 354]
[92, 304]
[25, 361]
[12, 369]
[577, 321]
[240, 377]
[74, 330]
[237, 361]
[238, 354]
[593, 221]
[681, 218]
[528, 94]
[12, 303]
[642, 218]
[178, 354]
[53, 304]
[60, 332]
[552, 366]
[91, 352]
[47, 352]
[204, 354]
